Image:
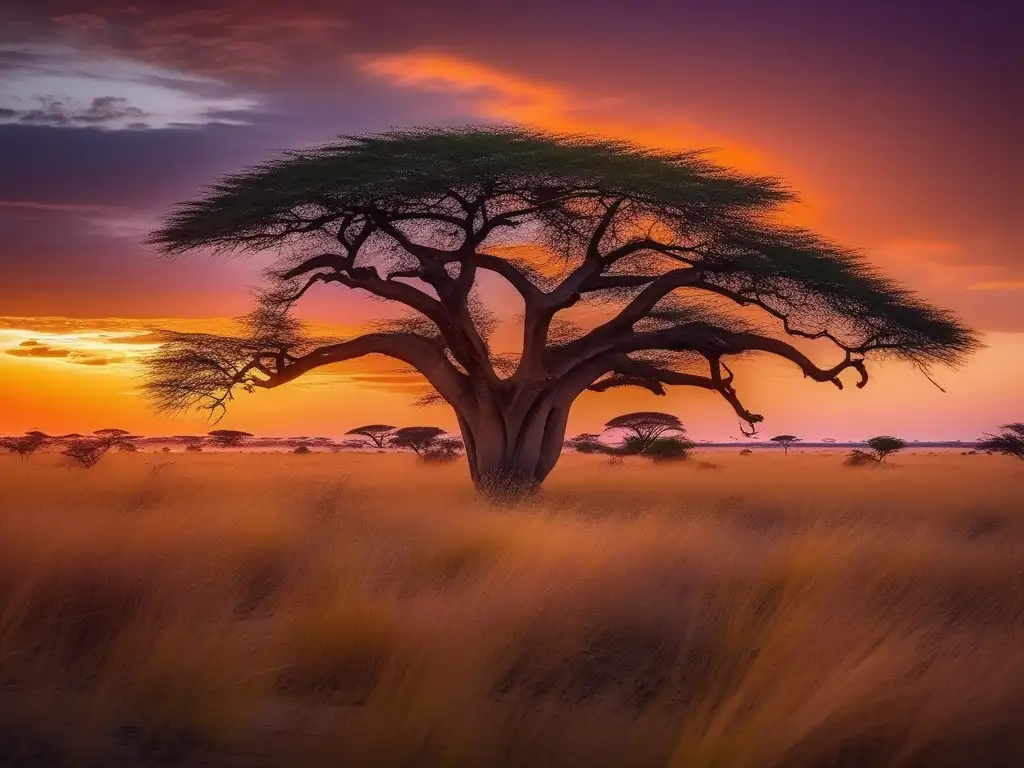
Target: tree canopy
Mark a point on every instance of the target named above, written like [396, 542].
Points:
[1010, 441]
[885, 445]
[665, 246]
[644, 428]
[377, 433]
[416, 439]
[785, 441]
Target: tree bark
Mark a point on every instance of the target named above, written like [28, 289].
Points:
[513, 439]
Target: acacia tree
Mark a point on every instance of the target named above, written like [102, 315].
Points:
[643, 428]
[378, 433]
[785, 441]
[229, 438]
[1010, 441]
[586, 442]
[662, 244]
[25, 445]
[885, 445]
[416, 439]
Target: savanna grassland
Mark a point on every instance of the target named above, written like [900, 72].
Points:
[364, 609]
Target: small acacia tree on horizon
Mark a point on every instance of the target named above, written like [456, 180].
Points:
[419, 440]
[785, 441]
[1009, 442]
[643, 428]
[377, 433]
[26, 444]
[662, 247]
[87, 451]
[229, 438]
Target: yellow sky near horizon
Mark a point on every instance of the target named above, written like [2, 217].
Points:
[88, 378]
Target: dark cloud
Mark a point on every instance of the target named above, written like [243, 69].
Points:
[91, 357]
[38, 350]
[102, 111]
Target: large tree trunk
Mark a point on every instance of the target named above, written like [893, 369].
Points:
[513, 440]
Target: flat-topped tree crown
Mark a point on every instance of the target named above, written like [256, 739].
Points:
[416, 439]
[785, 441]
[666, 245]
[377, 433]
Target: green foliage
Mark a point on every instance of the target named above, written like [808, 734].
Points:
[420, 175]
[643, 428]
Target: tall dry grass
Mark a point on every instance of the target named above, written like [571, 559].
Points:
[338, 609]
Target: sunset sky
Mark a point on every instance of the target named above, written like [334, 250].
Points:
[898, 122]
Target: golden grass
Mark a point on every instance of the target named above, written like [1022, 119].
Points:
[344, 609]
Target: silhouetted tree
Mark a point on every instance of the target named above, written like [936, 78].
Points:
[417, 217]
[416, 439]
[1010, 441]
[885, 445]
[121, 439]
[668, 449]
[378, 433]
[643, 428]
[302, 449]
[194, 448]
[87, 451]
[26, 444]
[443, 450]
[785, 441]
[746, 452]
[229, 438]
[587, 443]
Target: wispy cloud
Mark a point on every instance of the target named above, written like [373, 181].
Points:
[63, 87]
[998, 285]
[501, 96]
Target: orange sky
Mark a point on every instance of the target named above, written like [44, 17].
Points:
[902, 156]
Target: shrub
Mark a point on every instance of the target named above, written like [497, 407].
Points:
[668, 449]
[302, 449]
[859, 458]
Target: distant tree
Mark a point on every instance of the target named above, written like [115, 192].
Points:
[25, 445]
[878, 449]
[229, 438]
[194, 448]
[643, 428]
[860, 458]
[378, 433]
[746, 452]
[87, 451]
[587, 443]
[444, 449]
[785, 441]
[418, 217]
[885, 445]
[416, 439]
[351, 444]
[302, 449]
[668, 449]
[1009, 442]
[828, 439]
[121, 439]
